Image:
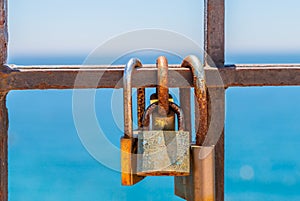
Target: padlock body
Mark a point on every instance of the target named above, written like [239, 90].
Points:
[163, 153]
[199, 185]
[129, 161]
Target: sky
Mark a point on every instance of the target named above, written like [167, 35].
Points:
[73, 27]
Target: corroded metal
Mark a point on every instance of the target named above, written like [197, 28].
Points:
[214, 46]
[128, 141]
[162, 153]
[3, 31]
[127, 92]
[141, 105]
[214, 32]
[185, 104]
[63, 77]
[201, 113]
[199, 186]
[162, 88]
[162, 117]
[128, 148]
[165, 153]
[3, 147]
[173, 106]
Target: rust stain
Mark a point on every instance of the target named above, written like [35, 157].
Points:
[162, 88]
[201, 102]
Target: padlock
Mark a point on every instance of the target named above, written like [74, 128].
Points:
[162, 118]
[129, 141]
[163, 153]
[200, 184]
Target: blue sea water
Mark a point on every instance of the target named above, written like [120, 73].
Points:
[48, 162]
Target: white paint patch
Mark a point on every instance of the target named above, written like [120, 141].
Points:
[246, 172]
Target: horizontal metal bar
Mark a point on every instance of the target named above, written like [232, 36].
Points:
[67, 77]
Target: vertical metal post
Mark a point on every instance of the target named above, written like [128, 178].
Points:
[185, 104]
[214, 32]
[214, 56]
[3, 148]
[3, 109]
[3, 31]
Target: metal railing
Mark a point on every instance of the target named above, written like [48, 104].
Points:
[63, 77]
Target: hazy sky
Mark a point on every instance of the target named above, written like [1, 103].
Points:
[78, 26]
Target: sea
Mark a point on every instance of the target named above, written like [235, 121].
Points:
[50, 159]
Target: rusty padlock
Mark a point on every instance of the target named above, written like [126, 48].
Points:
[199, 185]
[163, 151]
[129, 141]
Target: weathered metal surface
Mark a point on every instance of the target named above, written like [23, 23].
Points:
[260, 75]
[128, 141]
[128, 148]
[141, 105]
[3, 147]
[162, 88]
[214, 56]
[199, 186]
[186, 187]
[215, 135]
[201, 115]
[175, 108]
[54, 77]
[214, 32]
[127, 93]
[160, 122]
[3, 31]
[162, 153]
[162, 118]
[185, 104]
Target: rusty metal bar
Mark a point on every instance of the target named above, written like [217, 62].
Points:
[214, 56]
[214, 32]
[3, 109]
[3, 147]
[3, 31]
[185, 104]
[215, 136]
[63, 77]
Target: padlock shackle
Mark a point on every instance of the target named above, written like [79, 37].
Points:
[127, 93]
[201, 101]
[173, 106]
[162, 87]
